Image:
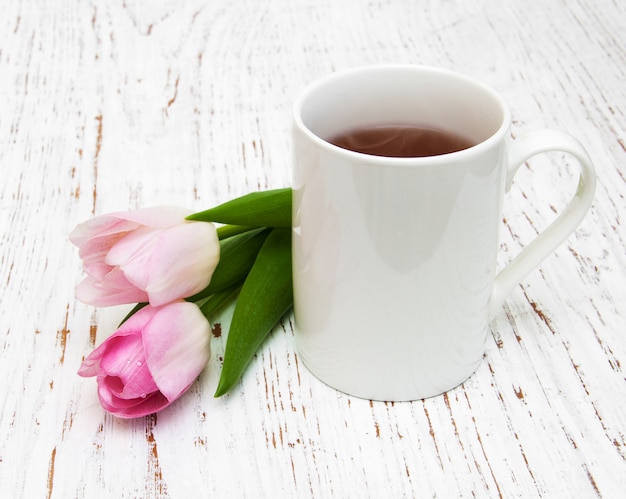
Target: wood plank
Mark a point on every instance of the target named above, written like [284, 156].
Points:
[107, 107]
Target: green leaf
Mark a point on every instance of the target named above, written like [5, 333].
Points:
[267, 294]
[232, 230]
[210, 305]
[237, 255]
[257, 209]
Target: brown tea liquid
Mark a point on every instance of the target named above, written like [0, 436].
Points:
[400, 141]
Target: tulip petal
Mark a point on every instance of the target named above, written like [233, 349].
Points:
[131, 408]
[122, 351]
[168, 264]
[126, 221]
[101, 226]
[133, 326]
[140, 383]
[94, 251]
[99, 293]
[137, 245]
[184, 264]
[125, 361]
[158, 217]
[89, 367]
[177, 348]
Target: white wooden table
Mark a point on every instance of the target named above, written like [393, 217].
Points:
[116, 105]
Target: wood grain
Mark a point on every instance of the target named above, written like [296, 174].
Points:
[108, 106]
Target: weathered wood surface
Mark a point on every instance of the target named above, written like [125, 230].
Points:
[117, 105]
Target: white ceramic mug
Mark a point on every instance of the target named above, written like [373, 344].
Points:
[394, 258]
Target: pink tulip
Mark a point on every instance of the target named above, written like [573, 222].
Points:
[151, 254]
[151, 360]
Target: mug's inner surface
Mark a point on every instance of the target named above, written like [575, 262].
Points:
[401, 95]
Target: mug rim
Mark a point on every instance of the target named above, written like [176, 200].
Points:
[461, 155]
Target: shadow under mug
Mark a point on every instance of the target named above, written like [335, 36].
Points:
[394, 259]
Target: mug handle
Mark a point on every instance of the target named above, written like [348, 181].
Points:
[546, 242]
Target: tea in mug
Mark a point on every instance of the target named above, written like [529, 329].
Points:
[400, 141]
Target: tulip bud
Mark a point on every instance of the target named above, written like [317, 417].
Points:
[151, 360]
[149, 255]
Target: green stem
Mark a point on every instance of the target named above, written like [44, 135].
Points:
[208, 306]
[227, 231]
[237, 255]
[134, 310]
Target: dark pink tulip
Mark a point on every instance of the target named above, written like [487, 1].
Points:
[151, 360]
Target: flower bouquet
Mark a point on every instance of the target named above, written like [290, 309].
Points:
[179, 269]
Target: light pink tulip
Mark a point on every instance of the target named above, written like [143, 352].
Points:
[151, 254]
[151, 360]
